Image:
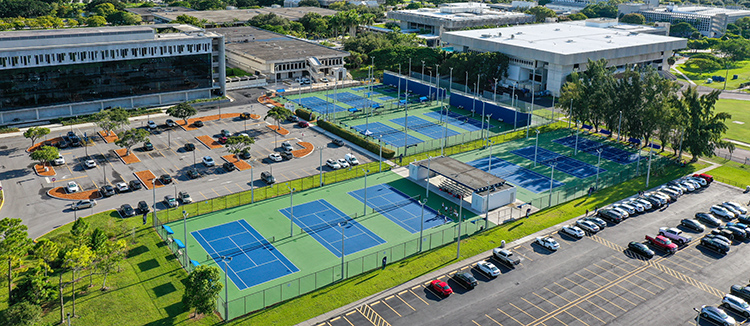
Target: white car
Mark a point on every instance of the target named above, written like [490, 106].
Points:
[488, 268]
[721, 212]
[622, 212]
[72, 187]
[333, 164]
[343, 163]
[736, 206]
[82, 204]
[588, 226]
[732, 208]
[737, 304]
[628, 208]
[151, 124]
[548, 242]
[700, 181]
[275, 157]
[208, 161]
[59, 161]
[639, 207]
[287, 146]
[90, 164]
[646, 204]
[692, 183]
[122, 187]
[573, 231]
[351, 159]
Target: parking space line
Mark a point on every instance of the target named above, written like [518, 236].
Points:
[600, 308]
[492, 319]
[626, 262]
[697, 256]
[619, 296]
[541, 297]
[204, 196]
[631, 292]
[347, 320]
[652, 283]
[524, 256]
[617, 266]
[597, 275]
[521, 310]
[638, 285]
[389, 306]
[566, 311]
[227, 188]
[576, 283]
[606, 270]
[654, 275]
[509, 316]
[214, 190]
[587, 312]
[475, 323]
[610, 302]
[687, 279]
[559, 296]
[688, 261]
[418, 297]
[587, 279]
[681, 265]
[535, 306]
[561, 322]
[404, 301]
[372, 316]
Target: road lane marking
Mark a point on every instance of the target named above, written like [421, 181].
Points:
[372, 316]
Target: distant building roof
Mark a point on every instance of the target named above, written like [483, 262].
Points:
[243, 15]
[269, 46]
[152, 10]
[700, 10]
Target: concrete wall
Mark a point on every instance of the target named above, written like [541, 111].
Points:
[496, 199]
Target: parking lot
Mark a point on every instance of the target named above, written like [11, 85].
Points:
[26, 192]
[590, 281]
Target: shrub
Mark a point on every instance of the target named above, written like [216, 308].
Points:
[305, 114]
[5, 130]
[356, 139]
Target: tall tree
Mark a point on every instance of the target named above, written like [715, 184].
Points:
[541, 13]
[109, 255]
[129, 138]
[278, 113]
[239, 144]
[34, 287]
[633, 18]
[77, 259]
[201, 289]
[705, 128]
[45, 154]
[112, 119]
[182, 111]
[35, 133]
[46, 252]
[14, 244]
[80, 231]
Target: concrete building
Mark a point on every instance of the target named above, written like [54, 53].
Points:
[542, 55]
[55, 73]
[710, 21]
[238, 17]
[455, 16]
[278, 56]
[659, 28]
[152, 15]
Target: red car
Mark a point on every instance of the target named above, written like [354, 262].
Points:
[663, 243]
[222, 140]
[441, 287]
[303, 124]
[707, 177]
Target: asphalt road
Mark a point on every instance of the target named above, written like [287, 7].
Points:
[591, 281]
[25, 192]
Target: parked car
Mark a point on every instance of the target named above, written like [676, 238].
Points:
[208, 161]
[148, 146]
[90, 164]
[222, 140]
[267, 177]
[143, 207]
[337, 141]
[632, 210]
[738, 233]
[722, 212]
[193, 174]
[488, 268]
[717, 315]
[548, 242]
[708, 219]
[675, 235]
[134, 185]
[611, 215]
[292, 118]
[646, 204]
[185, 197]
[165, 179]
[225, 133]
[122, 187]
[170, 123]
[693, 225]
[286, 155]
[287, 146]
[704, 176]
[466, 280]
[441, 288]
[741, 226]
[662, 243]
[587, 226]
[333, 164]
[506, 256]
[303, 124]
[229, 166]
[641, 249]
[351, 159]
[719, 237]
[737, 213]
[701, 180]
[275, 157]
[126, 210]
[343, 163]
[599, 222]
[573, 231]
[245, 155]
[198, 123]
[737, 304]
[72, 187]
[62, 144]
[83, 204]
[245, 115]
[743, 292]
[715, 245]
[189, 147]
[107, 190]
[58, 161]
[151, 124]
[170, 201]
[737, 206]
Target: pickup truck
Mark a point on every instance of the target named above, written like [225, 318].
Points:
[663, 243]
[506, 256]
[675, 235]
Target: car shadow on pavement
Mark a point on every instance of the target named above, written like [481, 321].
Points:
[709, 253]
[567, 237]
[430, 295]
[540, 249]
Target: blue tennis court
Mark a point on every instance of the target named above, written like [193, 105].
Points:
[399, 207]
[515, 174]
[463, 122]
[427, 128]
[353, 99]
[320, 220]
[390, 135]
[386, 98]
[254, 259]
[611, 153]
[319, 105]
[565, 164]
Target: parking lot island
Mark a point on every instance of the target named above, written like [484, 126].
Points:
[306, 150]
[147, 178]
[59, 193]
[240, 164]
[45, 170]
[49, 142]
[129, 159]
[190, 126]
[280, 130]
[109, 138]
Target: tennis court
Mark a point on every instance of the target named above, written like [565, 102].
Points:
[390, 135]
[427, 128]
[354, 100]
[319, 105]
[254, 259]
[321, 220]
[565, 164]
[519, 176]
[453, 118]
[399, 207]
[611, 153]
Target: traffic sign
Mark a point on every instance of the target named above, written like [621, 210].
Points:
[53, 179]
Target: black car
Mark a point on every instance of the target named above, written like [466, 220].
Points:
[286, 155]
[693, 225]
[466, 279]
[708, 219]
[193, 174]
[189, 147]
[267, 177]
[744, 220]
[654, 202]
[599, 222]
[107, 191]
[292, 118]
[715, 245]
[338, 141]
[245, 155]
[61, 144]
[170, 123]
[610, 215]
[143, 207]
[165, 179]
[245, 115]
[229, 166]
[134, 185]
[126, 210]
[737, 233]
[198, 123]
[148, 146]
[641, 249]
[723, 235]
[740, 291]
[225, 133]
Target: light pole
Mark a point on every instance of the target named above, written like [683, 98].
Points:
[515, 110]
[427, 188]
[570, 112]
[422, 71]
[421, 228]
[536, 147]
[252, 186]
[489, 167]
[320, 168]
[450, 81]
[619, 125]
[551, 181]
[226, 260]
[380, 154]
[487, 208]
[342, 225]
[460, 215]
[648, 173]
[577, 132]
[598, 163]
[494, 91]
[153, 192]
[291, 209]
[365, 208]
[184, 229]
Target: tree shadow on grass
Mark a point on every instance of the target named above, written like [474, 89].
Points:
[164, 289]
[148, 265]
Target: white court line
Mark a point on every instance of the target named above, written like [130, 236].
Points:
[358, 225]
[212, 248]
[274, 255]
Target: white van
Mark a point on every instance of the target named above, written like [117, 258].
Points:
[351, 159]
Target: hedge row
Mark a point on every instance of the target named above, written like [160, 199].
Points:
[356, 139]
[304, 114]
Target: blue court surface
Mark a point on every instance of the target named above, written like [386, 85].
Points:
[320, 220]
[515, 174]
[565, 164]
[427, 128]
[353, 99]
[319, 105]
[457, 120]
[254, 259]
[390, 136]
[611, 153]
[399, 207]
[386, 98]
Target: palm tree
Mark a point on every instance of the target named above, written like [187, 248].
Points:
[367, 19]
[278, 113]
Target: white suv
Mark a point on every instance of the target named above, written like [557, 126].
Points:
[737, 304]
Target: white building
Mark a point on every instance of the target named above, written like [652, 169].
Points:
[542, 55]
[55, 73]
[710, 21]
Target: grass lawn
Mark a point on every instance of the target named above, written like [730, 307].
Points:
[741, 68]
[735, 174]
[739, 125]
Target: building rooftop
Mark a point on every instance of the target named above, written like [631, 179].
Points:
[271, 46]
[614, 24]
[464, 174]
[155, 10]
[564, 39]
[700, 10]
[242, 15]
[459, 12]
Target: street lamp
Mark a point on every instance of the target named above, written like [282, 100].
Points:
[450, 81]
[291, 209]
[184, 229]
[427, 188]
[489, 168]
[487, 208]
[577, 132]
[619, 125]
[648, 173]
[365, 208]
[421, 228]
[226, 260]
[423, 71]
[551, 181]
[598, 163]
[460, 214]
[536, 147]
[342, 225]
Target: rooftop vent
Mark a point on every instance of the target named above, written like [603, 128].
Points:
[486, 35]
[608, 36]
[557, 29]
[569, 41]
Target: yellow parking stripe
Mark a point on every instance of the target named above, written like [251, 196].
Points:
[610, 302]
[492, 319]
[535, 306]
[389, 306]
[619, 296]
[631, 292]
[654, 275]
[600, 308]
[521, 310]
[509, 316]
[541, 297]
[587, 312]
[559, 296]
[418, 297]
[561, 322]
[406, 303]
[475, 323]
[576, 283]
[576, 318]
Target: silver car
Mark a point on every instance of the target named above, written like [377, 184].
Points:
[737, 304]
[588, 226]
[720, 211]
[717, 315]
[83, 204]
[573, 231]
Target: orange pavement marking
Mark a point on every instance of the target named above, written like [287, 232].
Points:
[127, 159]
[110, 137]
[59, 192]
[308, 148]
[49, 142]
[240, 164]
[281, 130]
[209, 142]
[254, 116]
[50, 171]
[147, 178]
[190, 125]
